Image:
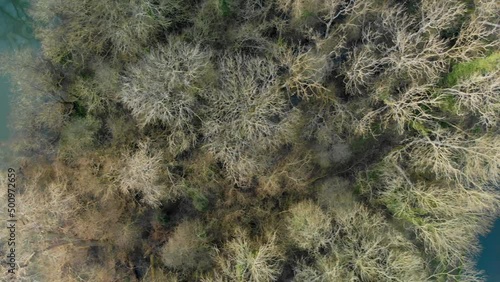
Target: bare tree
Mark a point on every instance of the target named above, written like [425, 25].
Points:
[326, 122]
[306, 73]
[479, 34]
[51, 209]
[246, 115]
[445, 215]
[437, 15]
[453, 156]
[164, 87]
[412, 53]
[394, 19]
[364, 247]
[325, 11]
[127, 26]
[415, 56]
[478, 94]
[363, 64]
[332, 9]
[409, 108]
[332, 44]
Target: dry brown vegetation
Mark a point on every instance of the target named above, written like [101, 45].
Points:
[274, 140]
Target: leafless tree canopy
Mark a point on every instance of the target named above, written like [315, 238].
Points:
[260, 140]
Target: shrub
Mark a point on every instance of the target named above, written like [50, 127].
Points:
[187, 248]
[96, 91]
[124, 235]
[159, 275]
[290, 173]
[198, 198]
[244, 260]
[123, 129]
[330, 149]
[78, 136]
[249, 38]
[333, 194]
[308, 226]
[141, 174]
[209, 25]
[465, 70]
[324, 269]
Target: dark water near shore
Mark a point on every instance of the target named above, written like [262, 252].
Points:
[489, 260]
[16, 33]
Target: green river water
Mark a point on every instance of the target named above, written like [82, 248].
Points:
[16, 33]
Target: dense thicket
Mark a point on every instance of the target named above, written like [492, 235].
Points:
[260, 140]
